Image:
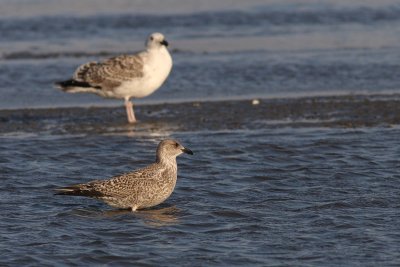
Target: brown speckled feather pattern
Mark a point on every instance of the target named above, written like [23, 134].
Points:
[112, 72]
[142, 188]
[127, 190]
[138, 189]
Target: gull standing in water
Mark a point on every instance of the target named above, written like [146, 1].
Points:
[125, 76]
[139, 189]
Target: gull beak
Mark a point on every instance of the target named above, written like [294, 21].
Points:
[187, 151]
[164, 42]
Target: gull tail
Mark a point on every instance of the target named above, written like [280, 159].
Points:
[79, 190]
[74, 86]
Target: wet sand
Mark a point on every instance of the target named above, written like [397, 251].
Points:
[337, 111]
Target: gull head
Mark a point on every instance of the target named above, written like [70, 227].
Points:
[171, 149]
[156, 40]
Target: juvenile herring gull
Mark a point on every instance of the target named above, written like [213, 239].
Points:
[125, 76]
[139, 189]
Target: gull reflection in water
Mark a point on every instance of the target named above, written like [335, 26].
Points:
[160, 217]
[152, 217]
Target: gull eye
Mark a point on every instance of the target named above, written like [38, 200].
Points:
[176, 145]
[151, 38]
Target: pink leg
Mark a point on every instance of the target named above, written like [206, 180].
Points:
[129, 111]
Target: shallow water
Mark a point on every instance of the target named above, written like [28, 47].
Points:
[287, 191]
[221, 49]
[325, 197]
[308, 175]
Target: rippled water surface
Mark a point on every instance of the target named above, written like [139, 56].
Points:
[324, 196]
[286, 190]
[291, 107]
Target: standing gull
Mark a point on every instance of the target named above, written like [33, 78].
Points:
[125, 76]
[139, 189]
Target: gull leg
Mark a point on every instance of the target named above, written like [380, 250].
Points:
[129, 111]
[132, 113]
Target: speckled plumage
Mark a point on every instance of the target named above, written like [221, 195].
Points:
[124, 76]
[112, 72]
[139, 189]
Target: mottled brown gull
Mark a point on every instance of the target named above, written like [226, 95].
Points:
[139, 189]
[125, 76]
